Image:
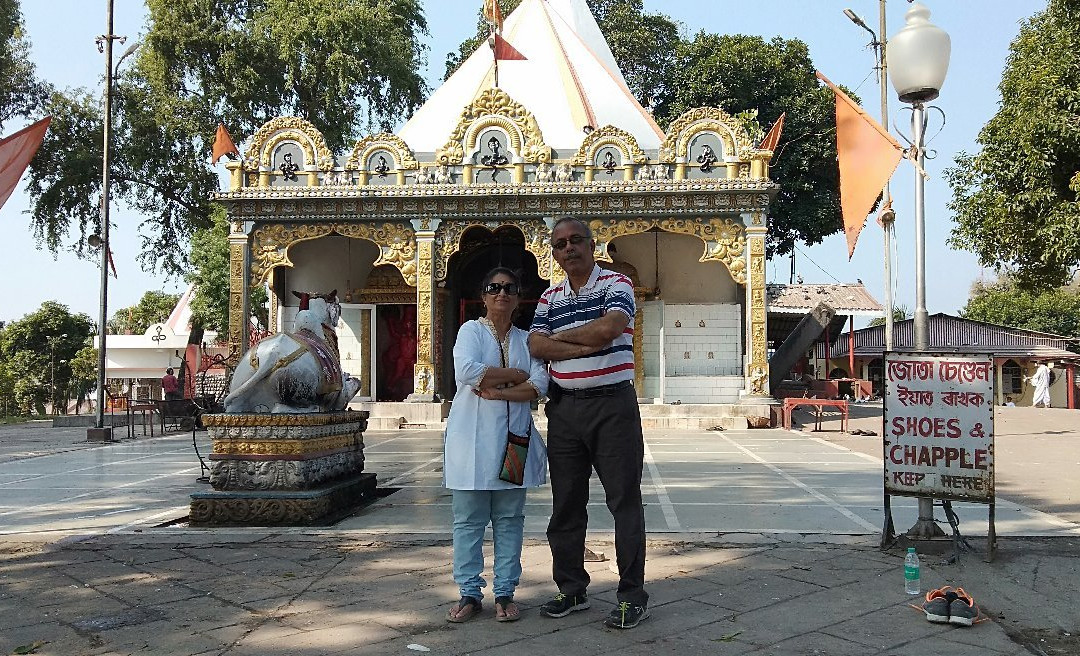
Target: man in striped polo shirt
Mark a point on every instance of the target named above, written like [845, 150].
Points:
[584, 327]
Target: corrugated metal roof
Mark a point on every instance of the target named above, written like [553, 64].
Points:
[949, 333]
[846, 299]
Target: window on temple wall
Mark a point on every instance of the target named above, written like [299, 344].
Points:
[1012, 378]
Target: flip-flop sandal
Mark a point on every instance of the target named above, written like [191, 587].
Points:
[505, 604]
[466, 609]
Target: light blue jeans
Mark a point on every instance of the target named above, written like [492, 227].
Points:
[473, 511]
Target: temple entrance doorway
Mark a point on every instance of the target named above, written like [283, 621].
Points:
[395, 351]
[482, 250]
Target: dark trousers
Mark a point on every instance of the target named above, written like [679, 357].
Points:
[601, 433]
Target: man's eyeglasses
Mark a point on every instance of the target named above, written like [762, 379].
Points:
[576, 240]
[493, 288]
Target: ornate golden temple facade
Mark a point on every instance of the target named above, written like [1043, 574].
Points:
[419, 213]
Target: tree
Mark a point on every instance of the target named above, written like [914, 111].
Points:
[153, 307]
[739, 73]
[1017, 201]
[899, 313]
[643, 44]
[209, 272]
[344, 66]
[1005, 303]
[36, 353]
[21, 94]
[83, 375]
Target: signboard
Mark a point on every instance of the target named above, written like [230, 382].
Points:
[939, 426]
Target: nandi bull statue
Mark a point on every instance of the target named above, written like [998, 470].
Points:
[295, 372]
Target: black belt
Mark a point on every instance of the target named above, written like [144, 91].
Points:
[592, 392]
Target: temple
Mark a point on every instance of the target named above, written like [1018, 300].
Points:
[405, 225]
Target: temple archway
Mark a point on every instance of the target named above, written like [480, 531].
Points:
[481, 249]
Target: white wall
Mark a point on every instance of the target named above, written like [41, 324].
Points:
[703, 364]
[683, 279]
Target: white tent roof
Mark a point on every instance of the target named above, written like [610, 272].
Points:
[569, 80]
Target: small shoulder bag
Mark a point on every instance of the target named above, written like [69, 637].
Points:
[517, 450]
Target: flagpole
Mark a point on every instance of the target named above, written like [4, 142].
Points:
[887, 217]
[100, 432]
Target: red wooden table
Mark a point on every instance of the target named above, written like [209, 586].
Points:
[791, 403]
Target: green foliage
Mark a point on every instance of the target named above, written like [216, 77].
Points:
[153, 307]
[83, 375]
[1017, 201]
[346, 67]
[1005, 303]
[739, 73]
[209, 272]
[36, 353]
[899, 313]
[21, 94]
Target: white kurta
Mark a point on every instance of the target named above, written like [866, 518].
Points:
[1041, 381]
[475, 439]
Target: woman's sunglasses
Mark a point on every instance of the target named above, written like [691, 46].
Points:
[493, 288]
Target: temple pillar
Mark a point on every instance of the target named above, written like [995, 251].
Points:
[424, 383]
[239, 286]
[273, 301]
[757, 348]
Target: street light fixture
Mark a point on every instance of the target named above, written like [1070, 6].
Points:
[101, 433]
[919, 53]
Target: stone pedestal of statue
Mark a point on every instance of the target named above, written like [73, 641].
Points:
[283, 469]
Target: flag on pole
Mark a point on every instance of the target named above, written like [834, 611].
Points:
[867, 154]
[493, 14]
[16, 152]
[223, 144]
[505, 51]
[772, 140]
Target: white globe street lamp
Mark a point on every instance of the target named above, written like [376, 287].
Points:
[918, 58]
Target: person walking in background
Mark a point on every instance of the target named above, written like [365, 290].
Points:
[583, 326]
[1041, 381]
[496, 380]
[171, 386]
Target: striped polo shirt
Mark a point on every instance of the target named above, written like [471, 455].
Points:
[561, 309]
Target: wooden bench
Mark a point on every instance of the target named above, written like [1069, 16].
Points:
[181, 413]
[819, 405]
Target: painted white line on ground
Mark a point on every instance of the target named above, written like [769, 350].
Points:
[95, 466]
[658, 485]
[840, 447]
[809, 490]
[99, 492]
[412, 471]
[145, 520]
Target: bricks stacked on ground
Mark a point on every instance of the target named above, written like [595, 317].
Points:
[282, 469]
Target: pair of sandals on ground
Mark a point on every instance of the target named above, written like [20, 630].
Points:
[469, 607]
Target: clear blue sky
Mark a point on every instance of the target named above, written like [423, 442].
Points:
[63, 31]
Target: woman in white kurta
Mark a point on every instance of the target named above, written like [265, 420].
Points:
[496, 379]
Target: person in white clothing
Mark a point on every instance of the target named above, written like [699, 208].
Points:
[496, 380]
[1041, 381]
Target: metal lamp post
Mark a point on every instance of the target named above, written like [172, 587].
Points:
[919, 54]
[100, 432]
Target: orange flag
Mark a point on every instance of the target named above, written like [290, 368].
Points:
[503, 50]
[867, 154]
[16, 152]
[493, 14]
[223, 144]
[772, 140]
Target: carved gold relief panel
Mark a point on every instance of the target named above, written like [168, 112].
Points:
[724, 239]
[736, 141]
[448, 241]
[495, 107]
[271, 243]
[288, 128]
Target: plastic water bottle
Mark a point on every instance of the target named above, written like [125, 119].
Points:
[911, 572]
